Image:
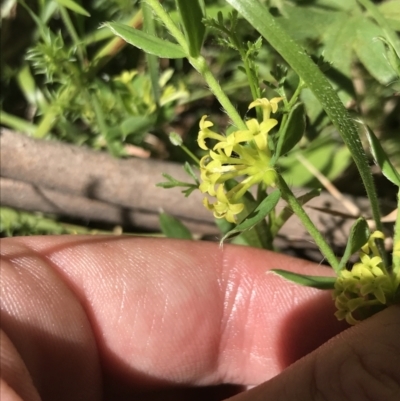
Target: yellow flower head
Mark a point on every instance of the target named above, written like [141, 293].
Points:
[368, 285]
[242, 155]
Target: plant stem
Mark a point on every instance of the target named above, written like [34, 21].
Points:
[190, 154]
[152, 60]
[17, 123]
[297, 208]
[200, 65]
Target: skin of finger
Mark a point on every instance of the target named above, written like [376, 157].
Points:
[169, 312]
[48, 328]
[14, 371]
[360, 364]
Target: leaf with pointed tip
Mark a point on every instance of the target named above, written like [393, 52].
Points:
[257, 215]
[148, 43]
[70, 4]
[192, 13]
[359, 234]
[319, 282]
[173, 228]
[382, 159]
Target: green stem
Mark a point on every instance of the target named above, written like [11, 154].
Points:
[200, 65]
[17, 123]
[296, 95]
[396, 239]
[169, 23]
[254, 88]
[288, 106]
[190, 154]
[297, 208]
[152, 60]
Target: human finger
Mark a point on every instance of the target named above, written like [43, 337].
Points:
[163, 312]
[360, 364]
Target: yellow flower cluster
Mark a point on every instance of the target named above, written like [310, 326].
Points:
[242, 154]
[368, 287]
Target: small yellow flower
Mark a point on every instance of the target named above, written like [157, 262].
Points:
[223, 208]
[267, 106]
[259, 132]
[370, 246]
[205, 133]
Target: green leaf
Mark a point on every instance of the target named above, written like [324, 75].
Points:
[381, 158]
[292, 132]
[358, 237]
[371, 51]
[256, 237]
[326, 155]
[338, 39]
[173, 228]
[189, 171]
[319, 282]
[192, 13]
[137, 124]
[318, 19]
[70, 4]
[148, 43]
[391, 56]
[258, 215]
[391, 11]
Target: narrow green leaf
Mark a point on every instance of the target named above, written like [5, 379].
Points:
[148, 43]
[192, 13]
[381, 158]
[189, 171]
[70, 4]
[173, 228]
[319, 282]
[258, 215]
[358, 237]
[137, 124]
[292, 132]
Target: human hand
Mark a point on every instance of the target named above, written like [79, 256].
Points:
[117, 318]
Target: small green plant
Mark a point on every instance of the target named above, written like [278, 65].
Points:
[73, 99]
[249, 153]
